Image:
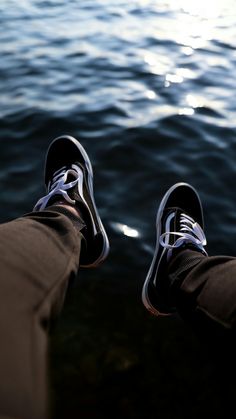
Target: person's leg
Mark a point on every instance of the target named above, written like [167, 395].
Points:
[204, 291]
[182, 277]
[39, 253]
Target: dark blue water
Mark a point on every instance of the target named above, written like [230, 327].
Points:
[149, 89]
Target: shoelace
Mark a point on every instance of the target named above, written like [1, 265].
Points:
[59, 185]
[190, 233]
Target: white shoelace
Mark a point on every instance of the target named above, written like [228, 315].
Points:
[60, 186]
[190, 233]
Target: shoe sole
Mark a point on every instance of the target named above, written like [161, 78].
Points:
[106, 246]
[145, 298]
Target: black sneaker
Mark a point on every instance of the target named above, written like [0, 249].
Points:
[69, 175]
[179, 224]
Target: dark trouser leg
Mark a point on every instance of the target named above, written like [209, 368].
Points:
[204, 289]
[38, 255]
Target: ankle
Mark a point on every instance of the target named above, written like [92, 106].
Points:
[182, 261]
[71, 208]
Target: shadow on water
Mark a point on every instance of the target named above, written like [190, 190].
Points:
[112, 359]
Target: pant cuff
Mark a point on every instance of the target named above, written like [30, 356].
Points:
[181, 264]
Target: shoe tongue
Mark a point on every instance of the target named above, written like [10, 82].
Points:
[70, 178]
[176, 210]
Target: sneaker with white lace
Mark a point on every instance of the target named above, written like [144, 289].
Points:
[179, 225]
[69, 179]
